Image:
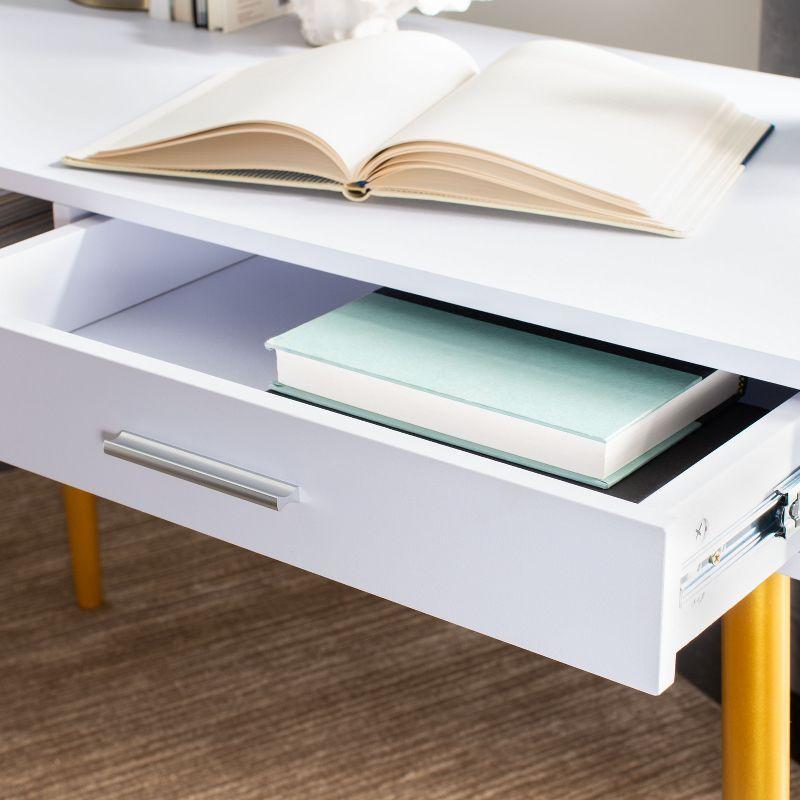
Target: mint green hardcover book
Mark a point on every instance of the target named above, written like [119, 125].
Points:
[559, 406]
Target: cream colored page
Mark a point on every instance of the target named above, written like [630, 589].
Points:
[579, 112]
[353, 95]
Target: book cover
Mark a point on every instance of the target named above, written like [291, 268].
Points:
[569, 387]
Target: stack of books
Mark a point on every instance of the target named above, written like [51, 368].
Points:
[22, 217]
[218, 15]
[549, 401]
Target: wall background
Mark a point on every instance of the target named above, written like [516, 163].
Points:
[780, 37]
[753, 34]
[722, 31]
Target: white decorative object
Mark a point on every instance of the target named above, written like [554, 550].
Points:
[326, 21]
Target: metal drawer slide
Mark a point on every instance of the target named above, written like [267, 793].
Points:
[776, 516]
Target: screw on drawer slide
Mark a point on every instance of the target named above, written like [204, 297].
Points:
[773, 518]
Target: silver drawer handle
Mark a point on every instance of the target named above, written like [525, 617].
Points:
[191, 467]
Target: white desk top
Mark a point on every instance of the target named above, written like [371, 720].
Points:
[723, 297]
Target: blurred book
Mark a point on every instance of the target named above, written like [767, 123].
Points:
[182, 10]
[200, 13]
[161, 9]
[231, 15]
[219, 15]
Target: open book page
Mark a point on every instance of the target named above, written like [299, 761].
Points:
[578, 112]
[351, 96]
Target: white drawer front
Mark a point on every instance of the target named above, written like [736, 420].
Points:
[561, 570]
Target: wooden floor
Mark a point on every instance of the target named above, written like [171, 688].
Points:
[217, 674]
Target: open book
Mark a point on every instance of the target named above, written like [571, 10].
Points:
[552, 127]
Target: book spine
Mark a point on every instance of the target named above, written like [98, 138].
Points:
[160, 9]
[183, 10]
[216, 14]
[239, 14]
[200, 14]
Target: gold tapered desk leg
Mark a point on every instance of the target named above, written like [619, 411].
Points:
[755, 694]
[81, 513]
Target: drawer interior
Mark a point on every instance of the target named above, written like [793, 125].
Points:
[218, 325]
[211, 309]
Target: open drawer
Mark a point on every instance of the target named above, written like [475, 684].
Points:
[107, 328]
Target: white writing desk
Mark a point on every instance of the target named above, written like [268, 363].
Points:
[152, 322]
